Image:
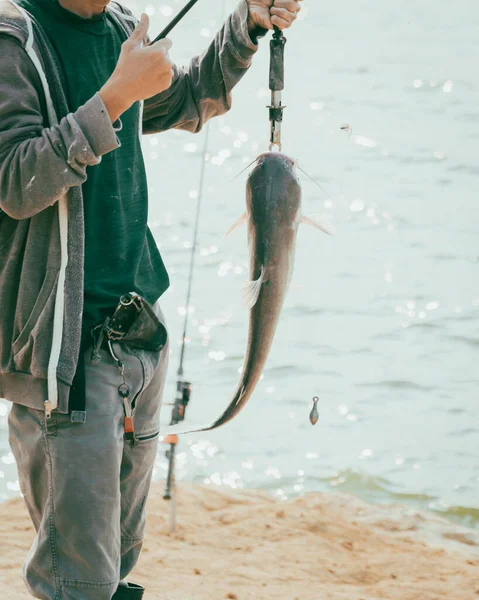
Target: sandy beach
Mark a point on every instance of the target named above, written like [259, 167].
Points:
[246, 544]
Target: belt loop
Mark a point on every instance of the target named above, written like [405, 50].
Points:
[78, 416]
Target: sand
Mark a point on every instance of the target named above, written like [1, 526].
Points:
[245, 544]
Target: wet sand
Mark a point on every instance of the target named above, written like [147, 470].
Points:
[246, 544]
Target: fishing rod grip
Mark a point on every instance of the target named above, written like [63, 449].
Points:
[183, 394]
[171, 469]
[276, 62]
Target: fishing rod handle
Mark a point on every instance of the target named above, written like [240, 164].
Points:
[276, 62]
[171, 469]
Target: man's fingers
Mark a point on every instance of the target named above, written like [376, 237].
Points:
[291, 5]
[138, 36]
[283, 14]
[164, 44]
[279, 22]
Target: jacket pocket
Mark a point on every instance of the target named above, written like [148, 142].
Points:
[31, 349]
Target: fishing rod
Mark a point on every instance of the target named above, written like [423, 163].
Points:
[183, 388]
[175, 21]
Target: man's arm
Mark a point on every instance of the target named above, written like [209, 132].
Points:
[37, 164]
[203, 90]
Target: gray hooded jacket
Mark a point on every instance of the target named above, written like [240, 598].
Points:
[44, 153]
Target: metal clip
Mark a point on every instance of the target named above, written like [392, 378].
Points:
[276, 118]
[113, 355]
[126, 300]
[95, 356]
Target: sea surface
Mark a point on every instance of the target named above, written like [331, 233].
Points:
[381, 321]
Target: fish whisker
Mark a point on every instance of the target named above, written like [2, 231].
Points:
[245, 169]
[314, 181]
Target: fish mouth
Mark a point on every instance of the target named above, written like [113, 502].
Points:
[275, 157]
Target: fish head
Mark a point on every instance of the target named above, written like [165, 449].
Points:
[276, 160]
[273, 187]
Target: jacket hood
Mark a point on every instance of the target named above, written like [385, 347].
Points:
[12, 22]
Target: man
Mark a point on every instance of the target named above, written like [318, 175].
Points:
[78, 85]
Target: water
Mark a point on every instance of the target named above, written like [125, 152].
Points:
[381, 321]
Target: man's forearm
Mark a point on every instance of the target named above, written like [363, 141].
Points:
[39, 164]
[204, 89]
[114, 101]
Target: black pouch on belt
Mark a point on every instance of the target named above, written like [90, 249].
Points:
[134, 323]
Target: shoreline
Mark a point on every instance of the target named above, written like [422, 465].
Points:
[246, 544]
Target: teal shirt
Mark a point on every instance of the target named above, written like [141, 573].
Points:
[120, 252]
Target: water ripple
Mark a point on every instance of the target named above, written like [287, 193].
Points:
[398, 385]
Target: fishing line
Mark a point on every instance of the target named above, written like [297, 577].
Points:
[183, 388]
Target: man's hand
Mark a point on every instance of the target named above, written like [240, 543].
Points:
[266, 13]
[141, 72]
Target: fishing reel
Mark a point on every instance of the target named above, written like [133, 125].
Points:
[183, 396]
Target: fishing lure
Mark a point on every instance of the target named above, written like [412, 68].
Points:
[314, 414]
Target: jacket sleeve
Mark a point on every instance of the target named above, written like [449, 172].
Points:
[39, 164]
[203, 90]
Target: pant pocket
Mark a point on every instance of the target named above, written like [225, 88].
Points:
[144, 439]
[147, 404]
[135, 356]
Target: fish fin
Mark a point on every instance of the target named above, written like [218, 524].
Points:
[236, 224]
[182, 429]
[252, 289]
[241, 394]
[320, 223]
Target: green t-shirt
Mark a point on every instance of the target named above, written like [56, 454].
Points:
[120, 252]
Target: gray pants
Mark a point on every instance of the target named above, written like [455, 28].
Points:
[85, 487]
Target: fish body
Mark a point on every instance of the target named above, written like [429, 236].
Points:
[273, 215]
